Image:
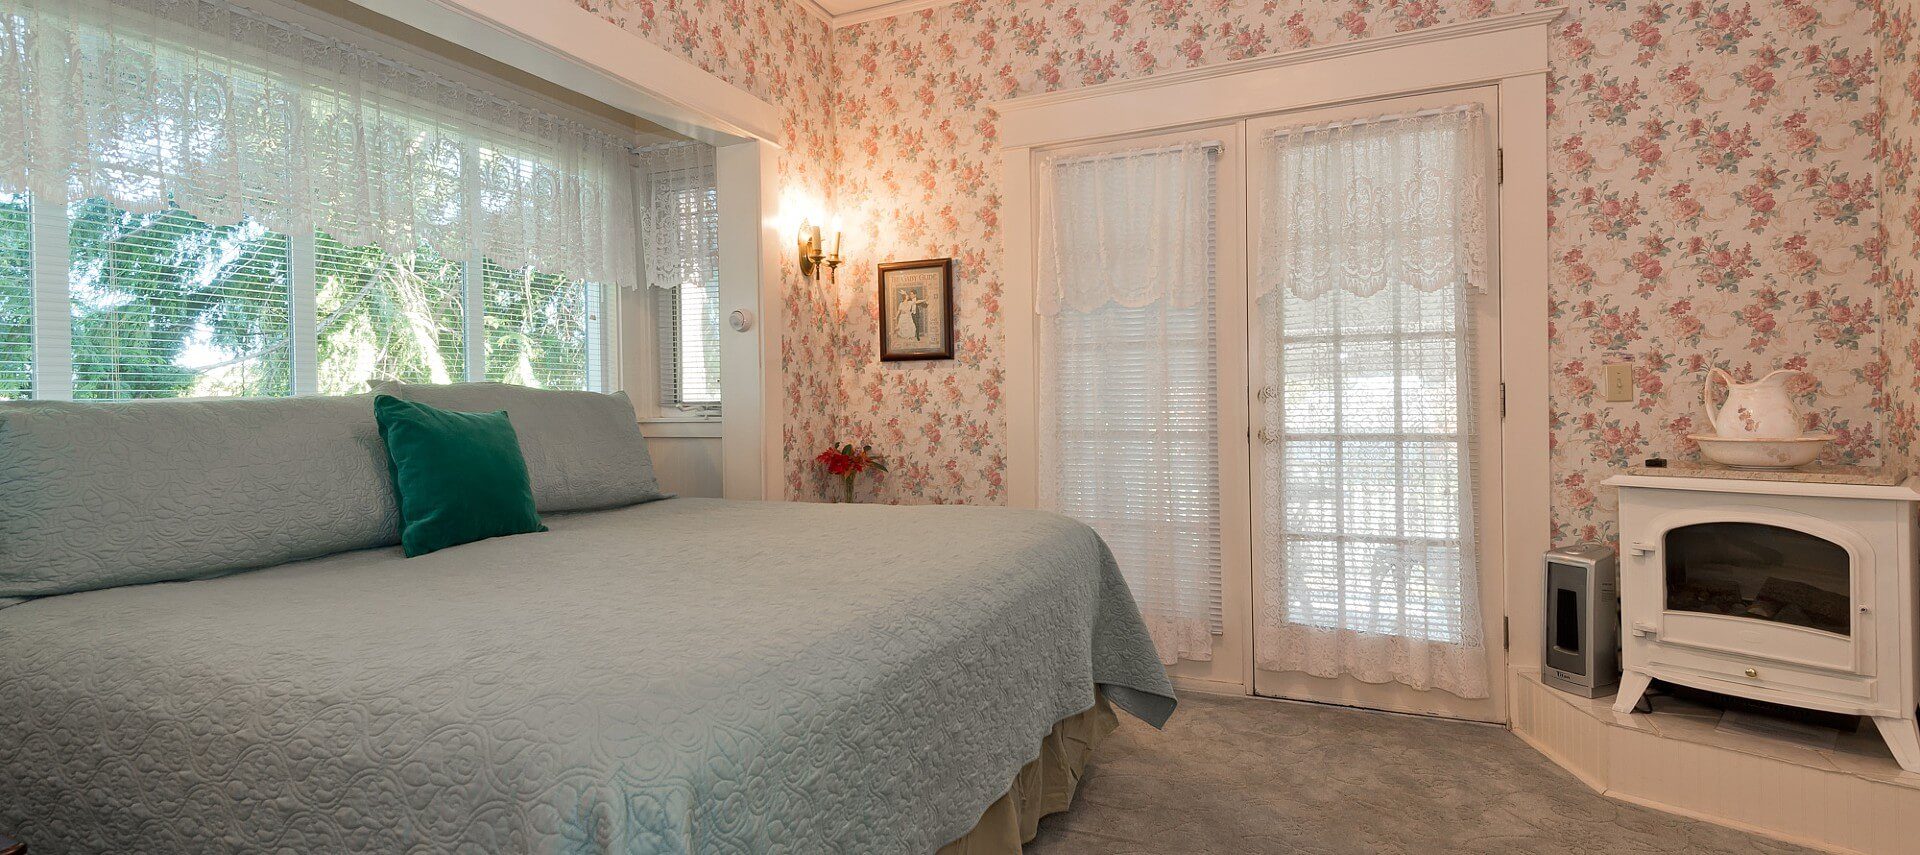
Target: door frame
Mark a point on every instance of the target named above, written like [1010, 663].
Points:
[1506, 51]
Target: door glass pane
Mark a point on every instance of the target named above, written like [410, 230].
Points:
[1368, 478]
[1761, 572]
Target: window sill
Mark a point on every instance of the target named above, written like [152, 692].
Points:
[680, 427]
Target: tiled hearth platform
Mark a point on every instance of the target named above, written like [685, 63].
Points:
[1849, 798]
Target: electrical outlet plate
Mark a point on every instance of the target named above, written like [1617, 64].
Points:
[1617, 381]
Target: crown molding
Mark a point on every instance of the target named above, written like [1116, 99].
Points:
[885, 10]
[817, 12]
[1357, 47]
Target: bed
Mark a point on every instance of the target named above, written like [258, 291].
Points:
[678, 676]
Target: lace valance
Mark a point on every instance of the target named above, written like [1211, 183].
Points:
[1360, 206]
[1127, 227]
[227, 113]
[679, 214]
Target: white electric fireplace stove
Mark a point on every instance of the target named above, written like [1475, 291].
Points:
[1796, 588]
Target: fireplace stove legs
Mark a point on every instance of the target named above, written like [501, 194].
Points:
[1633, 684]
[1902, 738]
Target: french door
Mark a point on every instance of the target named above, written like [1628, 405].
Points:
[1374, 414]
[1294, 462]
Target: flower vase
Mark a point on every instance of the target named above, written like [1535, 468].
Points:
[846, 490]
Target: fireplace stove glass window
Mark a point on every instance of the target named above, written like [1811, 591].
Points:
[1761, 572]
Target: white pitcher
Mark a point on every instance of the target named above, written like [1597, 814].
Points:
[1758, 410]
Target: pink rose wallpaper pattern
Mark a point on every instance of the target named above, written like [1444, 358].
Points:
[1716, 180]
[1713, 193]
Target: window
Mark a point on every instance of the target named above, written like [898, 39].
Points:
[682, 222]
[164, 305]
[387, 317]
[16, 298]
[330, 215]
[687, 329]
[542, 330]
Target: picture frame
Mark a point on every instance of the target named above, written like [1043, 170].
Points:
[916, 310]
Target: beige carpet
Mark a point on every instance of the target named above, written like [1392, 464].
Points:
[1237, 775]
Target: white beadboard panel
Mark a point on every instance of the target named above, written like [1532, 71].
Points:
[1567, 736]
[1809, 801]
[685, 465]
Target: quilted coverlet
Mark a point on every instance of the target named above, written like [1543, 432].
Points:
[682, 676]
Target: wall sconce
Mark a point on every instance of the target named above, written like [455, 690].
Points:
[813, 251]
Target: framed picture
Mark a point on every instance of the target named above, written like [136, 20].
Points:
[916, 310]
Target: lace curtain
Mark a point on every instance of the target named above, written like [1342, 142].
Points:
[1129, 433]
[680, 217]
[1100, 243]
[1376, 256]
[226, 112]
[1389, 202]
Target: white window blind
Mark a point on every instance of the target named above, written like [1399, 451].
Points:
[541, 329]
[681, 224]
[205, 200]
[388, 317]
[1374, 233]
[687, 334]
[164, 304]
[16, 298]
[1130, 417]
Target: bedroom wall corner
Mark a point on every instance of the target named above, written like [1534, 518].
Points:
[777, 51]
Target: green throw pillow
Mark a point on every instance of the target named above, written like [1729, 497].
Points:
[458, 477]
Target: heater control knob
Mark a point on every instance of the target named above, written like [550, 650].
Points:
[1753, 672]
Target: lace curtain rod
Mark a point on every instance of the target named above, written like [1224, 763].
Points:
[335, 43]
[1072, 160]
[1374, 120]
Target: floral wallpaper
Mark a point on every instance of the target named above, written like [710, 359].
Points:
[1900, 223]
[1713, 197]
[1716, 176]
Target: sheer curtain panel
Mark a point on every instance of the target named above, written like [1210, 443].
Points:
[1129, 409]
[1373, 237]
[223, 112]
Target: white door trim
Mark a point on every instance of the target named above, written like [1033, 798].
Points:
[1508, 51]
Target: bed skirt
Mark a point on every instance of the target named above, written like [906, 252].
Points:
[1044, 786]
